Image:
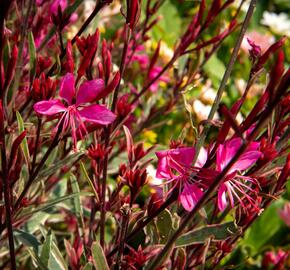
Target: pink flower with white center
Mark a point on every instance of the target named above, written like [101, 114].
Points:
[72, 108]
[174, 165]
[235, 184]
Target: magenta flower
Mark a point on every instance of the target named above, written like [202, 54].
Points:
[72, 108]
[236, 185]
[174, 165]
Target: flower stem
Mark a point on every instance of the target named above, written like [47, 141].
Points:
[125, 212]
[122, 64]
[226, 76]
[36, 143]
[6, 191]
[39, 167]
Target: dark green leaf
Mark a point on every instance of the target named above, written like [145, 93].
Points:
[199, 236]
[27, 239]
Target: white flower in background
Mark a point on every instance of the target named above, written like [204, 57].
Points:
[278, 23]
[151, 176]
[202, 111]
[245, 5]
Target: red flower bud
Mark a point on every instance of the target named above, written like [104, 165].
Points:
[43, 88]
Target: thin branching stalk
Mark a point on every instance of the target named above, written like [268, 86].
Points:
[125, 212]
[128, 33]
[225, 78]
[36, 143]
[6, 191]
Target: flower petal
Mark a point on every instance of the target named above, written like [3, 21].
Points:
[226, 152]
[163, 169]
[202, 157]
[222, 199]
[89, 91]
[190, 196]
[49, 107]
[97, 114]
[67, 88]
[246, 160]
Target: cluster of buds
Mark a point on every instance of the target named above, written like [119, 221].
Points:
[43, 88]
[42, 63]
[133, 12]
[88, 47]
[60, 19]
[123, 107]
[98, 151]
[10, 68]
[135, 179]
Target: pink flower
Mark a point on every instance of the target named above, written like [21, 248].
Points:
[152, 74]
[285, 214]
[174, 165]
[235, 184]
[72, 107]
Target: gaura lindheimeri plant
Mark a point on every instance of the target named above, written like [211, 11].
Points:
[88, 106]
[73, 108]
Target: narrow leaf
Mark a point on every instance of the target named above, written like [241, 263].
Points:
[99, 257]
[24, 144]
[32, 55]
[68, 161]
[56, 260]
[216, 232]
[37, 260]
[27, 239]
[52, 203]
[84, 171]
[129, 141]
[46, 249]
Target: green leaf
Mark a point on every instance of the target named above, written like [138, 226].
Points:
[27, 239]
[32, 55]
[46, 249]
[76, 199]
[56, 260]
[84, 171]
[215, 68]
[88, 266]
[268, 229]
[37, 260]
[168, 29]
[52, 203]
[58, 165]
[165, 226]
[200, 235]
[99, 257]
[24, 144]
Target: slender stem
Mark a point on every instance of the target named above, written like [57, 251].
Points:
[36, 143]
[122, 64]
[104, 187]
[39, 167]
[7, 193]
[226, 76]
[125, 211]
[140, 226]
[19, 67]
